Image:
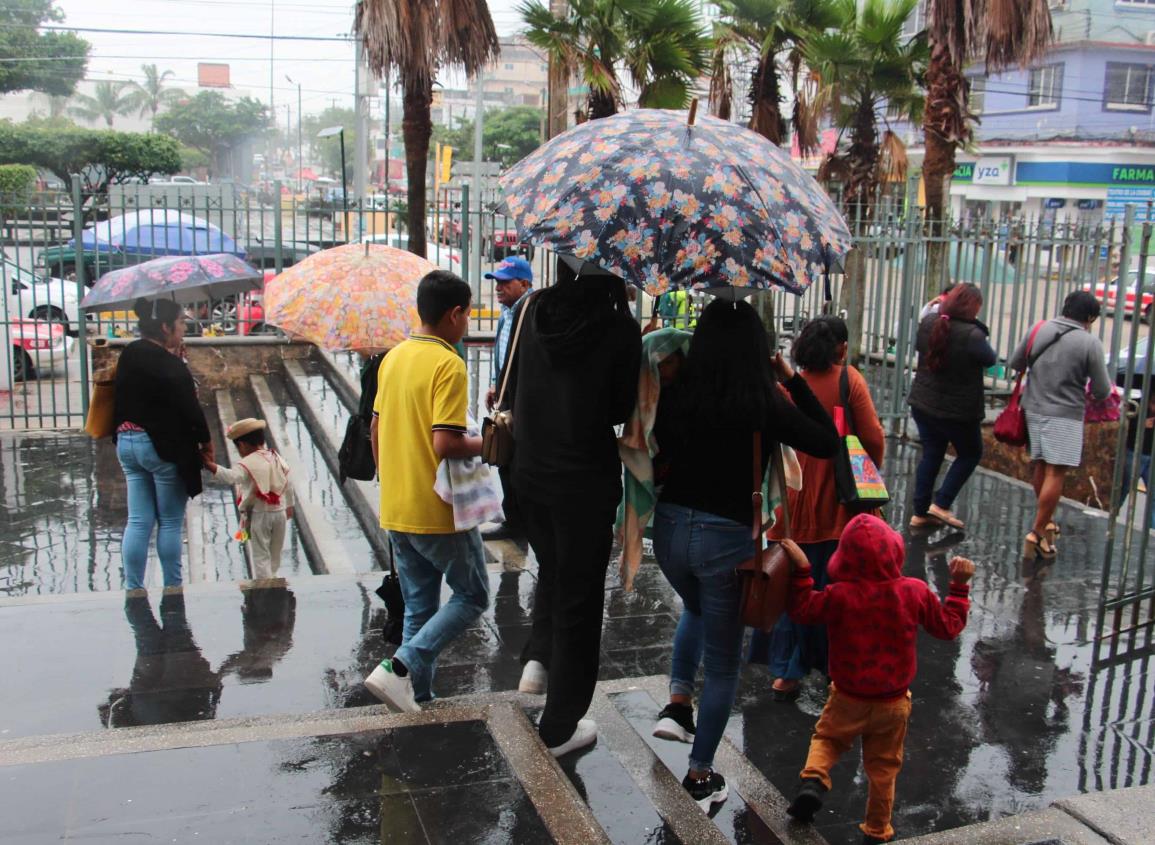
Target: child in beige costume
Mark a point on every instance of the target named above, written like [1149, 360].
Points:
[265, 498]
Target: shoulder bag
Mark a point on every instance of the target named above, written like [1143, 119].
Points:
[857, 479]
[101, 421]
[765, 576]
[1011, 425]
[497, 428]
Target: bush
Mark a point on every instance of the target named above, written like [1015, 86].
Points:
[16, 183]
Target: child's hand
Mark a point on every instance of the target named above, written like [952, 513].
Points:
[961, 570]
[211, 467]
[795, 555]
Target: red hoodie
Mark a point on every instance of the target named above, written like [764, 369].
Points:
[872, 612]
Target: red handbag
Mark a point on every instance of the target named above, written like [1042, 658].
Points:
[1011, 424]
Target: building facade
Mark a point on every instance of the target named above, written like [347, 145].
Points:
[1072, 137]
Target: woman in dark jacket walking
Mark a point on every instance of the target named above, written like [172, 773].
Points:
[574, 377]
[946, 401]
[703, 526]
[161, 435]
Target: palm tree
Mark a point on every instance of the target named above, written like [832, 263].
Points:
[867, 71]
[152, 94]
[661, 43]
[416, 37]
[106, 102]
[999, 33]
[774, 30]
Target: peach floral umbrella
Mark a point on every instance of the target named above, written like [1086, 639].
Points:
[358, 296]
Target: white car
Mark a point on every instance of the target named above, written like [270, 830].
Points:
[39, 297]
[37, 348]
[445, 257]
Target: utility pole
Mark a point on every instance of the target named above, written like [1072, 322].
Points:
[558, 82]
[300, 136]
[478, 135]
[361, 149]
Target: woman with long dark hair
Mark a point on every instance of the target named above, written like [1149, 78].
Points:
[946, 401]
[726, 391]
[574, 377]
[817, 517]
[161, 435]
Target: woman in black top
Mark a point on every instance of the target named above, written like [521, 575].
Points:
[946, 401]
[727, 390]
[574, 377]
[161, 435]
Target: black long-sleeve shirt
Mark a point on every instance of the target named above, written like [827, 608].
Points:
[709, 469]
[155, 390]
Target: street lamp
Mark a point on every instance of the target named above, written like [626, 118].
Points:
[300, 145]
[329, 132]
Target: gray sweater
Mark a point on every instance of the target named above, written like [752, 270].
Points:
[1057, 383]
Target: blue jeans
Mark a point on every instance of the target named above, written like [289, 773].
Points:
[699, 553]
[936, 434]
[156, 496]
[1144, 473]
[423, 560]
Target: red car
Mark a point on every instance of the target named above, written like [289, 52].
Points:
[245, 315]
[1134, 299]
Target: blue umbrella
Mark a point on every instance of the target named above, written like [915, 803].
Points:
[158, 231]
[668, 205]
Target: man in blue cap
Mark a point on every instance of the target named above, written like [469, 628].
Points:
[513, 280]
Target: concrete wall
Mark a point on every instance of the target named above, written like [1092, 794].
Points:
[220, 363]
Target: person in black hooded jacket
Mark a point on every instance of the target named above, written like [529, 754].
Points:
[574, 377]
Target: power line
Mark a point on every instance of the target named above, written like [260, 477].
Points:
[344, 39]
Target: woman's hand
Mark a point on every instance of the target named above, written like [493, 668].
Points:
[208, 452]
[782, 367]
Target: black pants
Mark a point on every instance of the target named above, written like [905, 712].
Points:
[572, 545]
[513, 520]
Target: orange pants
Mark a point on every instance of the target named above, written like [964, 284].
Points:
[882, 726]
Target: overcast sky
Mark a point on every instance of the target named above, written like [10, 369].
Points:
[325, 70]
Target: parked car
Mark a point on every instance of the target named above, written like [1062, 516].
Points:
[37, 347]
[445, 257]
[505, 243]
[243, 315]
[1134, 299]
[40, 297]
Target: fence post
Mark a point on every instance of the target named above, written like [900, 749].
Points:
[279, 227]
[82, 322]
[465, 262]
[901, 350]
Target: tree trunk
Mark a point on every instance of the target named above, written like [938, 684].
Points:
[862, 161]
[852, 300]
[766, 117]
[945, 129]
[416, 129]
[601, 104]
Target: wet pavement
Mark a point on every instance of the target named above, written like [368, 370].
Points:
[1011, 717]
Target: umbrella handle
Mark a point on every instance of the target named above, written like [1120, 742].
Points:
[693, 112]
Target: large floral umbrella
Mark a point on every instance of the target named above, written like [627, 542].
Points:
[664, 204]
[358, 296]
[185, 279]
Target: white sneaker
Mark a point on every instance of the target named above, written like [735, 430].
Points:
[585, 734]
[533, 678]
[395, 691]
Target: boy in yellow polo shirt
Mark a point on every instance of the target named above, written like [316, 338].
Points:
[420, 418]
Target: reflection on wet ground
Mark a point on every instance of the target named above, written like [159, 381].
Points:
[427, 784]
[1010, 717]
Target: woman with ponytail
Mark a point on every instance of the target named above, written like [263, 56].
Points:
[161, 434]
[946, 401]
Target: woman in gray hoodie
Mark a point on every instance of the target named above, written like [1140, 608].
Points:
[1063, 357]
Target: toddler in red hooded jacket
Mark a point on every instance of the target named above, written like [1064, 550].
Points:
[872, 614]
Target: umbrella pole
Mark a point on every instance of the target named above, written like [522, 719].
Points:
[693, 112]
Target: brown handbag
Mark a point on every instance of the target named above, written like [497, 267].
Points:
[765, 576]
[497, 429]
[101, 420]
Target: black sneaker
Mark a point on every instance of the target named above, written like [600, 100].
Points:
[807, 801]
[708, 791]
[676, 722]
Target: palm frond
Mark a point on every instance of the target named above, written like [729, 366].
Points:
[1015, 32]
[893, 163]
